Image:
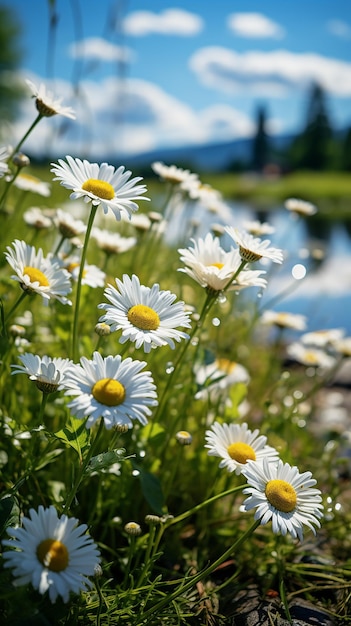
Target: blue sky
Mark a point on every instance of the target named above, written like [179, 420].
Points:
[166, 72]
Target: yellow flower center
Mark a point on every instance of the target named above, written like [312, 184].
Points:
[109, 391]
[99, 188]
[225, 365]
[241, 452]
[281, 495]
[311, 357]
[36, 276]
[72, 266]
[143, 317]
[30, 178]
[218, 265]
[53, 554]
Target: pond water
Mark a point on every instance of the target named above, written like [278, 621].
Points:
[315, 277]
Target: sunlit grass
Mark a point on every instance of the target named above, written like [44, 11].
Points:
[197, 548]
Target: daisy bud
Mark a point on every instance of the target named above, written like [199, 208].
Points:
[132, 528]
[184, 438]
[21, 160]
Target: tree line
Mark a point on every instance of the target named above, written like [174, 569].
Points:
[317, 147]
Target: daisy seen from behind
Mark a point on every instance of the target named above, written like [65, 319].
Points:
[252, 248]
[147, 316]
[38, 274]
[280, 493]
[116, 390]
[54, 554]
[300, 207]
[208, 263]
[236, 444]
[47, 104]
[101, 185]
[47, 373]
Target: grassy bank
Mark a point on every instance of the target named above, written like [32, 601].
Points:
[327, 189]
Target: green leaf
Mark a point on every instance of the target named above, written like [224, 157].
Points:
[75, 435]
[104, 460]
[9, 513]
[152, 491]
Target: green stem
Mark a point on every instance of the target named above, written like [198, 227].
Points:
[83, 466]
[8, 187]
[206, 307]
[201, 575]
[79, 284]
[148, 554]
[13, 309]
[21, 141]
[42, 407]
[59, 245]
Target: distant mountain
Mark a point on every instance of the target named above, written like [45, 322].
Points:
[214, 157]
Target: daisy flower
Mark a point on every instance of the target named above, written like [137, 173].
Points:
[313, 357]
[27, 182]
[322, 338]
[53, 553]
[280, 493]
[208, 263]
[111, 388]
[343, 346]
[47, 104]
[284, 320]
[100, 184]
[300, 207]
[237, 445]
[215, 378]
[47, 373]
[67, 226]
[252, 248]
[257, 228]
[38, 274]
[147, 316]
[36, 218]
[112, 243]
[92, 275]
[173, 174]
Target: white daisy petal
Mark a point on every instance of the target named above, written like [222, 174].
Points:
[47, 373]
[253, 249]
[47, 104]
[147, 316]
[100, 184]
[38, 274]
[211, 266]
[281, 494]
[112, 388]
[53, 553]
[236, 444]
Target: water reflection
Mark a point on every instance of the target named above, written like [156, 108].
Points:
[319, 244]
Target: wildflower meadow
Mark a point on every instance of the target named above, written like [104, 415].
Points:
[162, 456]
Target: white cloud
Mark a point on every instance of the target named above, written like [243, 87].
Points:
[125, 117]
[272, 73]
[339, 29]
[168, 22]
[99, 49]
[254, 26]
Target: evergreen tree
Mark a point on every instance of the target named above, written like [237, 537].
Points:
[313, 148]
[260, 146]
[346, 152]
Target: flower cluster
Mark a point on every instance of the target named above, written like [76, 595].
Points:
[198, 381]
